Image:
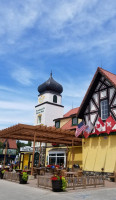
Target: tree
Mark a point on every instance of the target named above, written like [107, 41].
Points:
[29, 143]
[22, 144]
[1, 145]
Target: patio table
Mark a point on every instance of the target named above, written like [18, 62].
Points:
[38, 170]
[70, 174]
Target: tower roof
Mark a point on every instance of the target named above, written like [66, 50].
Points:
[50, 85]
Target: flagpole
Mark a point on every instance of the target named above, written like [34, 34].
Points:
[72, 154]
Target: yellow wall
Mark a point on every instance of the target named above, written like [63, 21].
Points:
[64, 121]
[77, 155]
[25, 160]
[79, 120]
[99, 152]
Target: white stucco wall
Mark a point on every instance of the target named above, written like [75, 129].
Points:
[49, 97]
[48, 113]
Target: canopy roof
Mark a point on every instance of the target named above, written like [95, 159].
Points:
[42, 133]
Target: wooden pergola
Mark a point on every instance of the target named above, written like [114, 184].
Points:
[40, 133]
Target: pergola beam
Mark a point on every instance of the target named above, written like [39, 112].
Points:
[37, 128]
[47, 134]
[45, 140]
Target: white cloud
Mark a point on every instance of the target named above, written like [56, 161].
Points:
[23, 75]
[25, 106]
[18, 16]
[70, 26]
[7, 89]
[9, 118]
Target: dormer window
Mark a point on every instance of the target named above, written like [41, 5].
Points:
[57, 124]
[74, 121]
[104, 109]
[55, 99]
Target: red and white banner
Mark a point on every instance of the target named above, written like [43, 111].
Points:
[99, 126]
[110, 122]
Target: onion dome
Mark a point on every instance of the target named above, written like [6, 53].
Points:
[50, 85]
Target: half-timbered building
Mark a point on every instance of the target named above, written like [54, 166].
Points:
[99, 151]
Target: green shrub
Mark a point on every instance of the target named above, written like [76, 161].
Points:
[2, 171]
[64, 183]
[25, 176]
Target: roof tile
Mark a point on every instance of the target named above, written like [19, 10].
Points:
[12, 143]
[109, 75]
[71, 112]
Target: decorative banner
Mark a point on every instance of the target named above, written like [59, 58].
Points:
[88, 129]
[99, 126]
[110, 122]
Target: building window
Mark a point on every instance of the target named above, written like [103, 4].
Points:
[57, 124]
[104, 109]
[74, 121]
[39, 119]
[55, 99]
[57, 159]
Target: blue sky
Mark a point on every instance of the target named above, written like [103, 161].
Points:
[71, 38]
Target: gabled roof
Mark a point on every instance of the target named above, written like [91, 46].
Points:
[12, 143]
[71, 112]
[109, 75]
[100, 72]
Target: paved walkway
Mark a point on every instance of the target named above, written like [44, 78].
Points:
[15, 191]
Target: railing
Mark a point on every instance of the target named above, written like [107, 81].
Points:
[11, 176]
[84, 181]
[44, 181]
[73, 182]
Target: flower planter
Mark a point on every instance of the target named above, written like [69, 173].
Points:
[1, 175]
[21, 181]
[57, 185]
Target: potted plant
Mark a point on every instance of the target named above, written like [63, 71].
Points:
[23, 177]
[2, 173]
[59, 183]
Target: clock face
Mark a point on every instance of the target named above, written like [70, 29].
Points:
[41, 99]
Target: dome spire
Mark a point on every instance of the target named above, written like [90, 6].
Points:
[50, 85]
[51, 74]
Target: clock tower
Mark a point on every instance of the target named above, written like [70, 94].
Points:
[49, 105]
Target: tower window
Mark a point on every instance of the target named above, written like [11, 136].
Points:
[104, 109]
[39, 119]
[55, 99]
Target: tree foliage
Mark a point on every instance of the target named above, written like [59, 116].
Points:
[1, 145]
